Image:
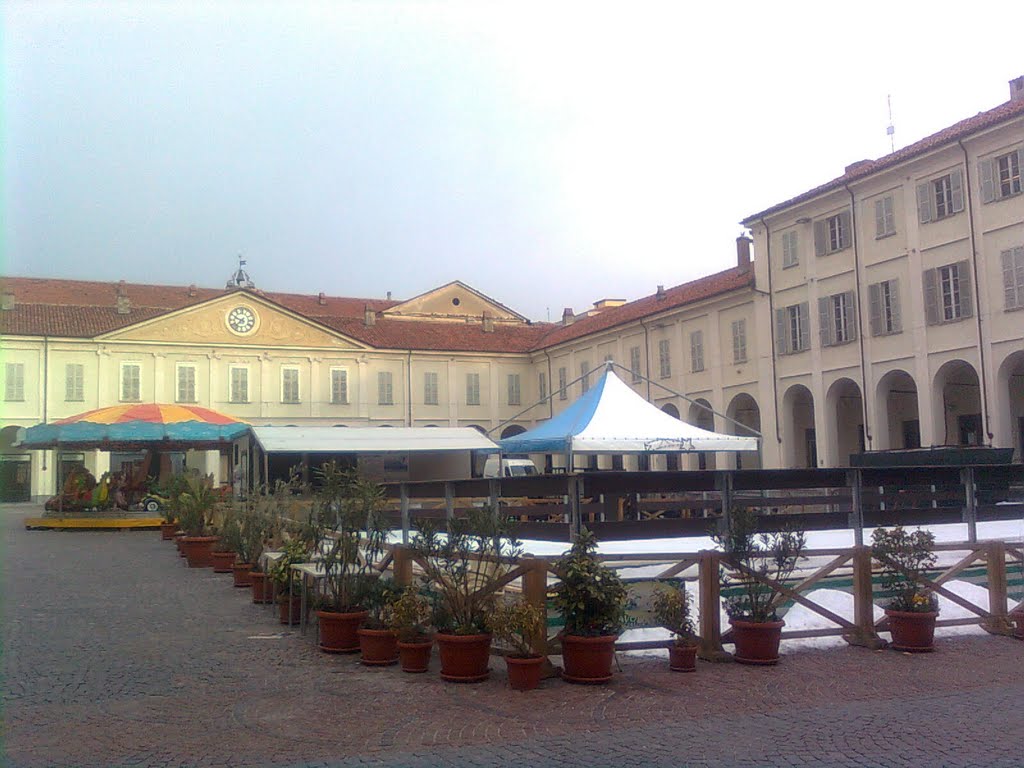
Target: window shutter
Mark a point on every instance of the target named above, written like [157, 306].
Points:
[1020, 166]
[803, 318]
[986, 173]
[875, 309]
[929, 279]
[1009, 281]
[964, 284]
[825, 321]
[845, 229]
[850, 316]
[894, 305]
[924, 203]
[1017, 256]
[880, 217]
[956, 184]
[781, 332]
[820, 238]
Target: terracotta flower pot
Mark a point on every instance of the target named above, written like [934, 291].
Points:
[198, 550]
[415, 656]
[338, 631]
[682, 658]
[240, 572]
[177, 543]
[222, 561]
[289, 609]
[262, 587]
[757, 642]
[588, 660]
[912, 631]
[523, 673]
[379, 647]
[464, 658]
[167, 531]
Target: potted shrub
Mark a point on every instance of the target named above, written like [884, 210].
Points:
[592, 601]
[196, 505]
[672, 611]
[522, 629]
[378, 642]
[172, 491]
[287, 583]
[912, 608]
[248, 545]
[262, 526]
[226, 548]
[463, 563]
[410, 620]
[752, 605]
[348, 515]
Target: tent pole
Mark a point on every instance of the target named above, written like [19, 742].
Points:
[550, 396]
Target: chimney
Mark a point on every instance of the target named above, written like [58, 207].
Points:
[121, 289]
[488, 322]
[321, 299]
[192, 290]
[856, 166]
[743, 251]
[369, 317]
[389, 295]
[7, 301]
[567, 316]
[124, 304]
[660, 293]
[1017, 89]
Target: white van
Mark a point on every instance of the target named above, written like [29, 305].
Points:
[509, 467]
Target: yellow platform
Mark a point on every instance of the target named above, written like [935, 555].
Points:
[93, 523]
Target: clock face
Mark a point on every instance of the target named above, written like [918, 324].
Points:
[241, 320]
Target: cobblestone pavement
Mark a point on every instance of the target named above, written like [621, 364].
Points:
[117, 655]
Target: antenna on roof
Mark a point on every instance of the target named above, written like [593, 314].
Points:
[890, 129]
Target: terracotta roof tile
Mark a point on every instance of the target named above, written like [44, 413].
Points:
[964, 128]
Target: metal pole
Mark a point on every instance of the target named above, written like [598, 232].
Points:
[971, 508]
[405, 512]
[449, 502]
[856, 521]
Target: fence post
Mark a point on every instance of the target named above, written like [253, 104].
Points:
[405, 512]
[971, 507]
[535, 592]
[856, 520]
[863, 602]
[449, 501]
[401, 565]
[710, 608]
[575, 515]
[998, 623]
[723, 481]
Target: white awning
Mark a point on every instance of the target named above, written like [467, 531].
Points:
[371, 439]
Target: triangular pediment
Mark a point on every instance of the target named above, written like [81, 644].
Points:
[455, 301]
[240, 318]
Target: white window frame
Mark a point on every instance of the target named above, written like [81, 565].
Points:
[178, 368]
[792, 334]
[697, 351]
[285, 400]
[563, 380]
[233, 389]
[839, 315]
[634, 364]
[14, 382]
[515, 396]
[948, 296]
[385, 388]
[884, 301]
[1008, 181]
[339, 385]
[431, 390]
[950, 306]
[833, 233]
[74, 382]
[790, 252]
[664, 358]
[472, 389]
[885, 217]
[125, 395]
[739, 341]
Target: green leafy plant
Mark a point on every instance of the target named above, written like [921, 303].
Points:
[410, 616]
[463, 563]
[519, 625]
[285, 579]
[905, 556]
[672, 611]
[591, 597]
[196, 504]
[755, 559]
[172, 490]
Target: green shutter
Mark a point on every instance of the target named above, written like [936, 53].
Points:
[956, 184]
[875, 309]
[850, 315]
[781, 332]
[929, 280]
[845, 229]
[986, 173]
[964, 284]
[894, 306]
[924, 202]
[820, 238]
[825, 328]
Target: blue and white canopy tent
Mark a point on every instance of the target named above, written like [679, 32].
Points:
[612, 418]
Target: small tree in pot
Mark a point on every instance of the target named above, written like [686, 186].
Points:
[464, 563]
[225, 550]
[592, 601]
[522, 628]
[912, 608]
[287, 583]
[195, 508]
[759, 564]
[410, 621]
[672, 610]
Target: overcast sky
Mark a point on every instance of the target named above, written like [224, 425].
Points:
[548, 154]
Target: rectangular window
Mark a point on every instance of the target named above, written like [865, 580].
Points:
[790, 257]
[1013, 277]
[837, 321]
[514, 397]
[562, 380]
[131, 382]
[339, 386]
[791, 329]
[239, 385]
[1001, 176]
[947, 293]
[472, 389]
[14, 383]
[74, 382]
[942, 189]
[1008, 169]
[430, 395]
[585, 376]
[832, 234]
[739, 341]
[634, 364]
[186, 384]
[385, 391]
[697, 351]
[884, 299]
[664, 359]
[941, 197]
[542, 387]
[289, 385]
[885, 218]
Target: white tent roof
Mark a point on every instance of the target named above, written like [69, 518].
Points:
[371, 439]
[612, 418]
